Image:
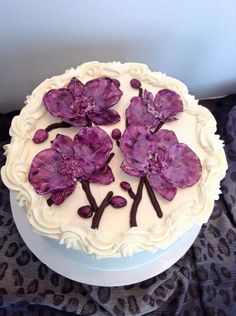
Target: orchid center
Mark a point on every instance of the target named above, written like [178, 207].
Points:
[82, 104]
[70, 168]
[151, 109]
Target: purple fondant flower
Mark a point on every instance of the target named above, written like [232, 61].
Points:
[56, 170]
[150, 112]
[79, 103]
[165, 162]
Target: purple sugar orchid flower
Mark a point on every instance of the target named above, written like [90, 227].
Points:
[150, 112]
[56, 170]
[79, 103]
[165, 162]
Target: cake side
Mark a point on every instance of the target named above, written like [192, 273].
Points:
[114, 237]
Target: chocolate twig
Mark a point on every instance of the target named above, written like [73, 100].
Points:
[153, 198]
[136, 202]
[100, 210]
[89, 122]
[90, 197]
[131, 193]
[50, 202]
[158, 127]
[110, 158]
[57, 125]
[140, 92]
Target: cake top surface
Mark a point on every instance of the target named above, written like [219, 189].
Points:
[112, 159]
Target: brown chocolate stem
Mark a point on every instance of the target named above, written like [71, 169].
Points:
[98, 215]
[140, 92]
[118, 142]
[131, 194]
[158, 127]
[90, 197]
[153, 198]
[57, 125]
[49, 202]
[136, 202]
[110, 158]
[89, 122]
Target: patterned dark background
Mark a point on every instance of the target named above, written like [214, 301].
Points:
[202, 282]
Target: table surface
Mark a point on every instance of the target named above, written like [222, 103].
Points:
[202, 282]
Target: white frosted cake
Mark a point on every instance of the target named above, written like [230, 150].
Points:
[113, 159]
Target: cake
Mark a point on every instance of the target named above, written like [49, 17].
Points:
[113, 159]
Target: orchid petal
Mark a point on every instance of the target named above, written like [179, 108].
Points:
[59, 196]
[131, 171]
[58, 101]
[162, 186]
[168, 103]
[43, 173]
[137, 114]
[136, 143]
[104, 92]
[102, 176]
[76, 87]
[185, 168]
[64, 145]
[92, 146]
[105, 117]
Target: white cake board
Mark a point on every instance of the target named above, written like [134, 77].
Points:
[80, 267]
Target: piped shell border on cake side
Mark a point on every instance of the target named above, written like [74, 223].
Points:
[15, 172]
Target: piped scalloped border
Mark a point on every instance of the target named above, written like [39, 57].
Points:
[14, 173]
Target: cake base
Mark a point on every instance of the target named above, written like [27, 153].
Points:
[81, 267]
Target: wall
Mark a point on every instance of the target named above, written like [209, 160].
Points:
[194, 41]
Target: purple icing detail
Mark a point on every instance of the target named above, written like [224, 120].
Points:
[118, 201]
[92, 147]
[116, 133]
[165, 162]
[64, 145]
[56, 170]
[138, 114]
[116, 82]
[59, 196]
[44, 175]
[85, 211]
[78, 102]
[104, 117]
[40, 136]
[135, 83]
[149, 112]
[167, 104]
[125, 186]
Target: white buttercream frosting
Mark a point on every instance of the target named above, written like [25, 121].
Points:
[115, 238]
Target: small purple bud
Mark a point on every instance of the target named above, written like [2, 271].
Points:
[118, 201]
[135, 83]
[116, 82]
[40, 136]
[125, 185]
[116, 133]
[85, 211]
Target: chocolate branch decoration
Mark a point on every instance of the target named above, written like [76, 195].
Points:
[98, 215]
[137, 200]
[90, 197]
[153, 198]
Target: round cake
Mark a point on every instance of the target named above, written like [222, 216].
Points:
[113, 159]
